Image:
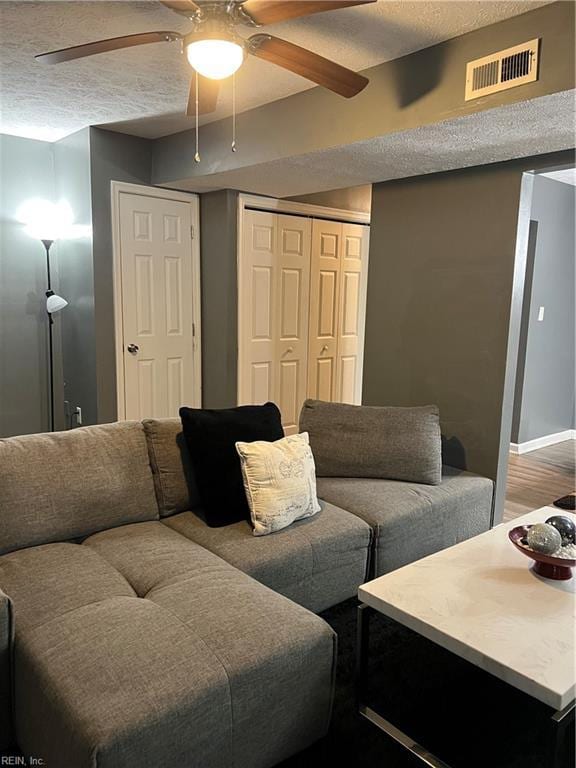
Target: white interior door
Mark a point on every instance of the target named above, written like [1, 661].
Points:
[324, 308]
[351, 315]
[274, 284]
[157, 298]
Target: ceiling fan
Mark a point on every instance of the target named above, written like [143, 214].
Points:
[216, 51]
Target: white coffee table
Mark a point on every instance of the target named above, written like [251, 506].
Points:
[480, 600]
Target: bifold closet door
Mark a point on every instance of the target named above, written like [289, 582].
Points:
[351, 314]
[274, 284]
[339, 269]
[256, 302]
[293, 286]
[324, 309]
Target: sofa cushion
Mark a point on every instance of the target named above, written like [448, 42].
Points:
[411, 520]
[53, 579]
[211, 437]
[316, 562]
[380, 442]
[66, 485]
[171, 464]
[151, 555]
[6, 637]
[121, 682]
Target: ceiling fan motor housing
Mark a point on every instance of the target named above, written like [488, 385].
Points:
[214, 22]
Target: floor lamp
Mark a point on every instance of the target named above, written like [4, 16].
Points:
[47, 221]
[54, 303]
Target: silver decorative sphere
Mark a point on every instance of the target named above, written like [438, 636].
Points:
[544, 538]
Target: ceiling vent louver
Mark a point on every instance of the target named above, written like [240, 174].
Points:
[502, 70]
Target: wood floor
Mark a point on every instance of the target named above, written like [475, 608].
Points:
[537, 478]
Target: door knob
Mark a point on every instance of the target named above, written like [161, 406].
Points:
[289, 350]
[324, 349]
[133, 348]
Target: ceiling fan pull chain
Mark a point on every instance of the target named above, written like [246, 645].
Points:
[197, 155]
[234, 112]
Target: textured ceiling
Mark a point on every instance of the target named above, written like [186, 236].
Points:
[144, 90]
[545, 124]
[568, 176]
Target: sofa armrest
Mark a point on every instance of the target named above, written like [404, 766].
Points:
[6, 643]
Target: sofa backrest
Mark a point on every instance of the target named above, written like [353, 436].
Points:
[66, 485]
[388, 442]
[171, 464]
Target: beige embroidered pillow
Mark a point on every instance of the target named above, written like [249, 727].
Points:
[280, 482]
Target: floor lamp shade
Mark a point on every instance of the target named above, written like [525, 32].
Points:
[45, 220]
[55, 303]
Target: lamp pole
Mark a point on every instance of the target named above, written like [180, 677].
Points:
[47, 245]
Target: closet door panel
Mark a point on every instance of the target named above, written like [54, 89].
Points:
[351, 313]
[257, 301]
[293, 292]
[324, 308]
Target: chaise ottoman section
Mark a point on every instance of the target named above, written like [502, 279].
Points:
[121, 682]
[278, 658]
[411, 520]
[140, 647]
[317, 562]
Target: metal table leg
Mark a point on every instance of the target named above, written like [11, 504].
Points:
[362, 648]
[557, 734]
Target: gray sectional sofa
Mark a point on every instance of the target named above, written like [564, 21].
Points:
[133, 634]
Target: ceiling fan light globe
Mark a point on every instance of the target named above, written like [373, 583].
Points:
[215, 59]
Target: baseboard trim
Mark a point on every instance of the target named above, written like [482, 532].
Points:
[542, 442]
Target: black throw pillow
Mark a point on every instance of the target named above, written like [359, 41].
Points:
[211, 437]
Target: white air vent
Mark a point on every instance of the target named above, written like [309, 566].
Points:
[502, 70]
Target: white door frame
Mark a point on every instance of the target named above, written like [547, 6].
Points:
[277, 205]
[117, 188]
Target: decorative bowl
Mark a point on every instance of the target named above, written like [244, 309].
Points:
[558, 568]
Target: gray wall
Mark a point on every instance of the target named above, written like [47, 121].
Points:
[79, 169]
[442, 281]
[218, 254]
[113, 157]
[26, 169]
[349, 199]
[72, 178]
[544, 401]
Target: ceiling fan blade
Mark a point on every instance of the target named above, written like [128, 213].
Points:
[208, 91]
[185, 7]
[272, 11]
[310, 65]
[103, 46]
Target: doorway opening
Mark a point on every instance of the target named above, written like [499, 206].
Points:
[541, 461]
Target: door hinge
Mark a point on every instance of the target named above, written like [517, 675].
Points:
[194, 330]
[192, 232]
